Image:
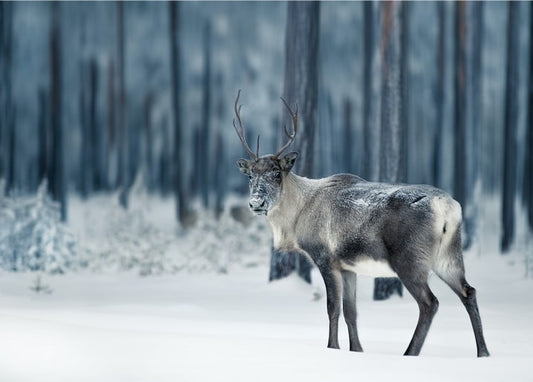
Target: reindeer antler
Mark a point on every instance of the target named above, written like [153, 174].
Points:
[240, 129]
[291, 136]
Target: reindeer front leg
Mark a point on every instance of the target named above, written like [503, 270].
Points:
[333, 281]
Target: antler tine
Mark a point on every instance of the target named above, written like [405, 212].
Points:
[240, 129]
[294, 117]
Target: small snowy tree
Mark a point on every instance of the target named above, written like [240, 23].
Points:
[32, 236]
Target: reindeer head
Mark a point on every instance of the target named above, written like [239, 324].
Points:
[267, 172]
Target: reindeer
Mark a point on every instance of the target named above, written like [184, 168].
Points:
[348, 226]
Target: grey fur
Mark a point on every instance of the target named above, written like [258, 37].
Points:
[347, 225]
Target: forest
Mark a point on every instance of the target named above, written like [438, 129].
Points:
[118, 161]
[98, 97]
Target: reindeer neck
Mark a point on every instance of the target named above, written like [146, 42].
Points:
[296, 191]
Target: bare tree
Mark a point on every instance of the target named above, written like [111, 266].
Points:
[347, 150]
[392, 140]
[527, 189]
[123, 136]
[368, 20]
[460, 184]
[57, 179]
[183, 211]
[43, 154]
[6, 104]
[511, 121]
[205, 173]
[440, 94]
[300, 86]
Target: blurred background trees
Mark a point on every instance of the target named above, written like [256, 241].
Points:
[97, 96]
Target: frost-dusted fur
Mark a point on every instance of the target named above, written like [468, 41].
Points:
[347, 225]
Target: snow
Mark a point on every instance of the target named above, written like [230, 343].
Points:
[207, 311]
[238, 327]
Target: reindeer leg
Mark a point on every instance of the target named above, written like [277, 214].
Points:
[467, 294]
[332, 279]
[428, 305]
[348, 306]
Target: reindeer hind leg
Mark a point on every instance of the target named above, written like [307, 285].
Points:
[450, 268]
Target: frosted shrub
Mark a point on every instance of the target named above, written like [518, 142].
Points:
[147, 239]
[32, 237]
[131, 242]
[215, 245]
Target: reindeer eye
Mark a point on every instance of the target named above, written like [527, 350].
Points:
[277, 175]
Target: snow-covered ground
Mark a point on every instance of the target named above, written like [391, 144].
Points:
[238, 327]
[207, 312]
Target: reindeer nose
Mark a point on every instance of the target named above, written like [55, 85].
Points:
[256, 203]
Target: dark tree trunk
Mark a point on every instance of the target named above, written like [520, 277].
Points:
[149, 173]
[366, 163]
[184, 213]
[86, 159]
[205, 174]
[511, 121]
[43, 155]
[12, 153]
[165, 167]
[111, 151]
[527, 189]
[301, 78]
[474, 133]
[220, 176]
[300, 86]
[6, 104]
[460, 184]
[197, 158]
[123, 134]
[98, 178]
[440, 95]
[57, 182]
[348, 141]
[392, 138]
[404, 95]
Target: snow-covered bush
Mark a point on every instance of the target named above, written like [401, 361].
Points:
[216, 245]
[32, 236]
[129, 241]
[146, 238]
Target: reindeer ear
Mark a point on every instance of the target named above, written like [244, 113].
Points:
[288, 160]
[244, 166]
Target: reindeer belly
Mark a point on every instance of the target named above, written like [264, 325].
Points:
[369, 267]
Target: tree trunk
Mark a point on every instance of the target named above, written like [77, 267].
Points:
[527, 189]
[43, 155]
[300, 86]
[6, 105]
[98, 178]
[220, 176]
[474, 133]
[57, 182]
[368, 49]
[123, 135]
[348, 141]
[111, 152]
[511, 121]
[404, 89]
[149, 173]
[86, 145]
[183, 211]
[460, 184]
[392, 144]
[204, 169]
[440, 96]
